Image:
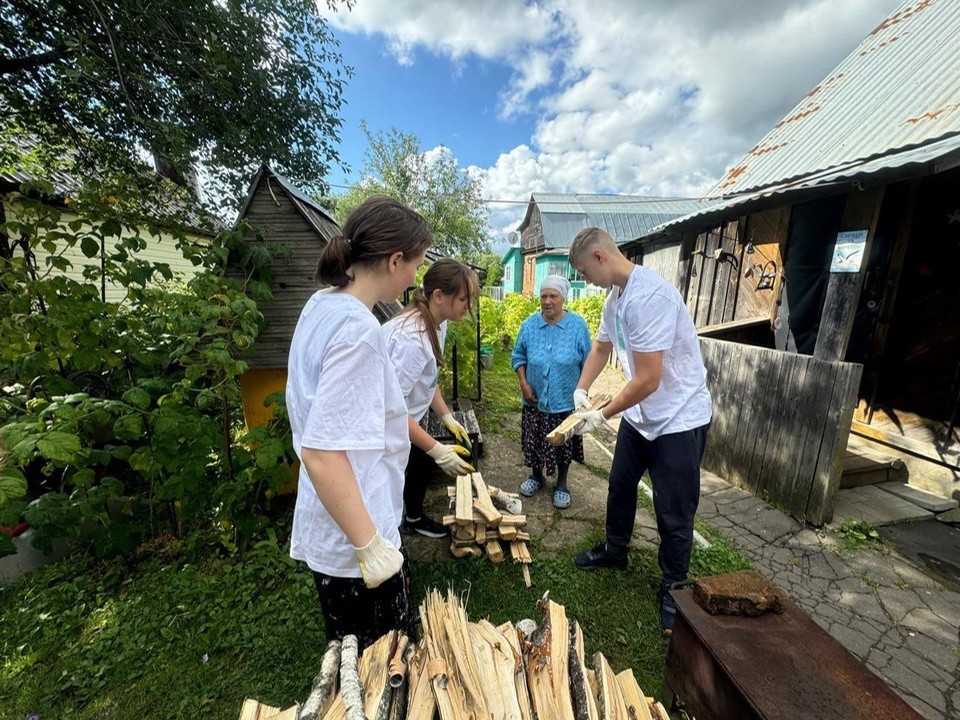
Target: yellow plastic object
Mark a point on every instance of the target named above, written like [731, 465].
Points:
[255, 386]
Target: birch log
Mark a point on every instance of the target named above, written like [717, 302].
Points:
[324, 684]
[581, 695]
[565, 430]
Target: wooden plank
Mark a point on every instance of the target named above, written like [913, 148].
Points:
[826, 483]
[464, 506]
[687, 240]
[821, 377]
[843, 289]
[729, 325]
[743, 441]
[483, 504]
[767, 415]
[777, 471]
[925, 450]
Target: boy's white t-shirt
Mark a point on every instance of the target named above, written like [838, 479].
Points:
[650, 316]
[412, 355]
[342, 394]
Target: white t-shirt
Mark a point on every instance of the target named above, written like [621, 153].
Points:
[412, 355]
[650, 316]
[342, 394]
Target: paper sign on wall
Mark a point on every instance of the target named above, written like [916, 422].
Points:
[848, 251]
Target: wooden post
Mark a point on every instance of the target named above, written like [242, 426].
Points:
[843, 290]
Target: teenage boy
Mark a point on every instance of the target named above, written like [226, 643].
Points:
[665, 405]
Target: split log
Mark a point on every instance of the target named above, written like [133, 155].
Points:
[465, 551]
[253, 710]
[507, 532]
[350, 689]
[581, 694]
[611, 703]
[421, 704]
[511, 635]
[480, 533]
[496, 662]
[289, 714]
[483, 504]
[636, 702]
[514, 520]
[495, 551]
[324, 684]
[398, 698]
[565, 430]
[548, 674]
[375, 676]
[464, 512]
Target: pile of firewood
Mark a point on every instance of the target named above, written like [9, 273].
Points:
[484, 516]
[470, 671]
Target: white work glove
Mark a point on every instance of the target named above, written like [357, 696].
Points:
[581, 399]
[458, 431]
[379, 561]
[449, 460]
[592, 419]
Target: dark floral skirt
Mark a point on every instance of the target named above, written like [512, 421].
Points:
[537, 452]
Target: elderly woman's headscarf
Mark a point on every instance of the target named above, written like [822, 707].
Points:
[556, 282]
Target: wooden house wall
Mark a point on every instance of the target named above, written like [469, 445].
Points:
[279, 219]
[662, 258]
[531, 238]
[780, 424]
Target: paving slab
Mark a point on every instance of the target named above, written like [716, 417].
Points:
[928, 501]
[876, 507]
[950, 516]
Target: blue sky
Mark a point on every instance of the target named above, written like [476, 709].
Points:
[657, 97]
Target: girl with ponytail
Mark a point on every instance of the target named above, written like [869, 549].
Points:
[414, 340]
[349, 423]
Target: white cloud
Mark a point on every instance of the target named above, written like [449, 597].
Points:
[658, 97]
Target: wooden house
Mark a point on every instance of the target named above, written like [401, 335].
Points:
[160, 243]
[279, 213]
[553, 220]
[822, 274]
[512, 262]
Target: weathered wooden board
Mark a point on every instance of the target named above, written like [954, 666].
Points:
[780, 424]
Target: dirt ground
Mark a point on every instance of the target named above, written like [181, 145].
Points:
[561, 532]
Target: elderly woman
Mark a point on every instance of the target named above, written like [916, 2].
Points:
[551, 348]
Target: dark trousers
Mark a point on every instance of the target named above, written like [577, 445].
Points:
[674, 464]
[420, 469]
[351, 608]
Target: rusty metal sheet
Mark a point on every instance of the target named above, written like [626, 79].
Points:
[772, 667]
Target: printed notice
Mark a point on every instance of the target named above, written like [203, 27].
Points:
[848, 252]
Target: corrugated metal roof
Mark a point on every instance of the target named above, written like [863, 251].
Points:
[625, 217]
[899, 89]
[938, 156]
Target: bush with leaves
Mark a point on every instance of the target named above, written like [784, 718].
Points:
[515, 308]
[120, 419]
[590, 309]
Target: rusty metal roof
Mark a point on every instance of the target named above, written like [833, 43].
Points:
[935, 157]
[899, 89]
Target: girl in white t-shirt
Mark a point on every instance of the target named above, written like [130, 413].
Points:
[415, 341]
[349, 423]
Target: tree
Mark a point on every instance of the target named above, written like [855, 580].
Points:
[491, 262]
[226, 84]
[430, 182]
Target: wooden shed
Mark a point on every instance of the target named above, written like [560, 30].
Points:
[822, 275]
[283, 214]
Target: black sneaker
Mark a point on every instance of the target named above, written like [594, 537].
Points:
[668, 612]
[599, 557]
[428, 527]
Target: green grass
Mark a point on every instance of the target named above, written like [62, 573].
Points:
[187, 633]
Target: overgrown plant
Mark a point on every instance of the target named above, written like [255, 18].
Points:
[118, 418]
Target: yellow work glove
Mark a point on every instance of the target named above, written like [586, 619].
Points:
[379, 561]
[449, 460]
[458, 431]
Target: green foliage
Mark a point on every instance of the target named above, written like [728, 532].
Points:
[227, 84]
[858, 535]
[515, 308]
[432, 183]
[491, 264]
[119, 416]
[590, 309]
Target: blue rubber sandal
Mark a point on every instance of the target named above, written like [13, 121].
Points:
[561, 499]
[531, 486]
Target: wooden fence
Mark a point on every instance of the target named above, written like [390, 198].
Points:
[780, 424]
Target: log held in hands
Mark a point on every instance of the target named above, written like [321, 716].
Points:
[565, 430]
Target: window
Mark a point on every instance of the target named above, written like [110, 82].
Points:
[557, 267]
[507, 275]
[575, 275]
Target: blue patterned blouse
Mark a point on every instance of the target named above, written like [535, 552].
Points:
[554, 356]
